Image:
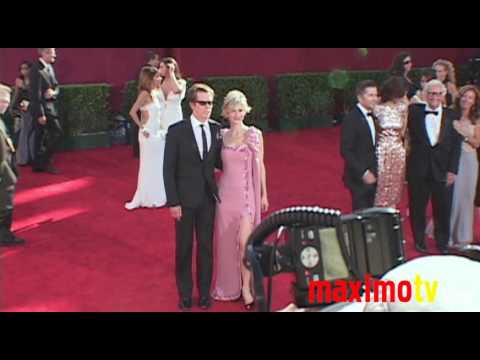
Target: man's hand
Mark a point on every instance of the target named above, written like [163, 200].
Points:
[369, 178]
[176, 212]
[42, 120]
[24, 105]
[49, 94]
[451, 177]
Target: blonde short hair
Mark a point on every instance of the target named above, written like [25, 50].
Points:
[235, 98]
[435, 83]
[5, 91]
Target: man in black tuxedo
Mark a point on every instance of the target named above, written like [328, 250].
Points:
[358, 147]
[192, 153]
[44, 91]
[432, 165]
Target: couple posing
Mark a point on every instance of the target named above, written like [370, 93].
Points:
[227, 211]
[374, 148]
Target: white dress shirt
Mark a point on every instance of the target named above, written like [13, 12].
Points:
[371, 124]
[48, 68]
[197, 131]
[433, 124]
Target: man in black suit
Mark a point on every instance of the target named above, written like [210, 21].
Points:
[44, 91]
[192, 153]
[435, 149]
[358, 147]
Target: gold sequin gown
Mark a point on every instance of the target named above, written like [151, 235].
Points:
[391, 154]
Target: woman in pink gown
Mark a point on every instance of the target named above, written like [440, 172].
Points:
[243, 195]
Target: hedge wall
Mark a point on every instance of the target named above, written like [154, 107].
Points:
[304, 100]
[84, 109]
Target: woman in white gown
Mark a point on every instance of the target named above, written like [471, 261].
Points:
[153, 130]
[172, 91]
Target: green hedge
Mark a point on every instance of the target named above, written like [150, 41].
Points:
[84, 109]
[308, 100]
[304, 101]
[254, 87]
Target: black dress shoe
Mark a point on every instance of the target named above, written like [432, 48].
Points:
[204, 303]
[185, 304]
[52, 170]
[421, 249]
[12, 241]
[444, 251]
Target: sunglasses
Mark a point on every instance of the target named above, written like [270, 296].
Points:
[205, 103]
[407, 62]
[435, 93]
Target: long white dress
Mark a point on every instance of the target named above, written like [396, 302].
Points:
[173, 105]
[151, 187]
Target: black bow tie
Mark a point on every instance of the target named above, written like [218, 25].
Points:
[371, 115]
[431, 112]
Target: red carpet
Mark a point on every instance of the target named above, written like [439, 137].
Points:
[85, 253]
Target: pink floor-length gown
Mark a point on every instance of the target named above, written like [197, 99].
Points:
[240, 194]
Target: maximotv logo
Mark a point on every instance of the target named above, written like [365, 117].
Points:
[375, 290]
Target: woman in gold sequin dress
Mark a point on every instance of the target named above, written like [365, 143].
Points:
[392, 115]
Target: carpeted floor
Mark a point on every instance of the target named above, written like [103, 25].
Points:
[86, 253]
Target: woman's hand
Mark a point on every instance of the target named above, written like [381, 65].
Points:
[265, 204]
[171, 70]
[460, 129]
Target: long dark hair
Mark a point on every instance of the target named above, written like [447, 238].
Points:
[172, 61]
[27, 64]
[394, 88]
[398, 66]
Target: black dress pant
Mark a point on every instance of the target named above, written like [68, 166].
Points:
[47, 141]
[421, 190]
[363, 196]
[200, 221]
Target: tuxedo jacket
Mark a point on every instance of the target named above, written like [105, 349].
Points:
[189, 180]
[40, 81]
[358, 149]
[430, 161]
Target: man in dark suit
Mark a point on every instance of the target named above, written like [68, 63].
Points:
[44, 91]
[8, 177]
[192, 153]
[432, 165]
[358, 147]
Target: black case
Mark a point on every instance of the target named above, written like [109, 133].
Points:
[375, 241]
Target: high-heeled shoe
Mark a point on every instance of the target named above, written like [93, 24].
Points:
[250, 307]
